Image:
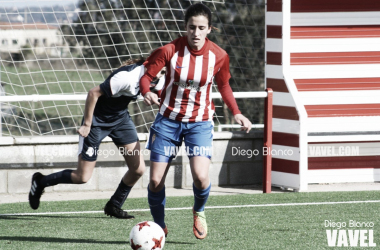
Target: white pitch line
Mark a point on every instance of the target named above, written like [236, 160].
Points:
[208, 207]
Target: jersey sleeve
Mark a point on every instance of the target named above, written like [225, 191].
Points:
[120, 81]
[155, 62]
[160, 84]
[105, 87]
[222, 78]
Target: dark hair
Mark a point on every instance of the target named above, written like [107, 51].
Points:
[198, 9]
[139, 60]
[132, 61]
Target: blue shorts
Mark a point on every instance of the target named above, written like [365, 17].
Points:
[121, 134]
[166, 136]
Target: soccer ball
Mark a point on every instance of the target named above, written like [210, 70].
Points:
[147, 235]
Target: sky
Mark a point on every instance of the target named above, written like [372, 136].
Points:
[25, 3]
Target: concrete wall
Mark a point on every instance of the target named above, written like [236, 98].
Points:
[22, 156]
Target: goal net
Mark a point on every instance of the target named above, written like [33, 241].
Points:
[68, 47]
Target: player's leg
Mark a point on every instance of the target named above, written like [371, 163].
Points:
[136, 168]
[198, 140]
[84, 171]
[125, 138]
[68, 176]
[164, 139]
[199, 166]
[135, 162]
[156, 192]
[87, 155]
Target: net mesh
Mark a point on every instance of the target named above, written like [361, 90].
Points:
[69, 47]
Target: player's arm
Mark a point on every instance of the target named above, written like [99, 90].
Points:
[92, 98]
[150, 98]
[222, 80]
[227, 96]
[159, 84]
[155, 62]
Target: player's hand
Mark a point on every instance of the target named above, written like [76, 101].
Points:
[151, 98]
[246, 125]
[84, 130]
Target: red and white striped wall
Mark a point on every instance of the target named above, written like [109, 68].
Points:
[286, 119]
[323, 64]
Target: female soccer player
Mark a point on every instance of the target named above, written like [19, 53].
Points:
[106, 114]
[186, 110]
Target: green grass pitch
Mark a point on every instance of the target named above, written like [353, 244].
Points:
[262, 226]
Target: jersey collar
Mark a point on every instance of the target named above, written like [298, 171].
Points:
[201, 51]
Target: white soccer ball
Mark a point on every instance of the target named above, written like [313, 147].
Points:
[147, 235]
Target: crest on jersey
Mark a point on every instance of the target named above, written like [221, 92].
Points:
[210, 71]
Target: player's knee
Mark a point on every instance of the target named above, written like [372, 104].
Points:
[137, 168]
[138, 172]
[155, 185]
[201, 180]
[82, 179]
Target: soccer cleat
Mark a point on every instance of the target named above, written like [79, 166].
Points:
[113, 211]
[36, 190]
[200, 225]
[166, 231]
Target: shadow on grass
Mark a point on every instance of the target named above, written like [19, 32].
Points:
[177, 242]
[11, 217]
[58, 240]
[99, 215]
[35, 217]
[65, 240]
[258, 188]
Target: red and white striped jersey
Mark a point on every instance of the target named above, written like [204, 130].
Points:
[186, 95]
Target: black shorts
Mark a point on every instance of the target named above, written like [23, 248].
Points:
[122, 134]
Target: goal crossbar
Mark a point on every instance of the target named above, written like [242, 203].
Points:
[82, 97]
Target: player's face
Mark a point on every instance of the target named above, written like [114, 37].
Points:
[197, 30]
[160, 74]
